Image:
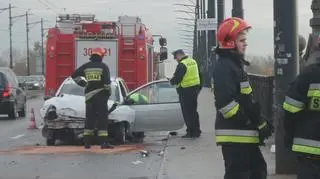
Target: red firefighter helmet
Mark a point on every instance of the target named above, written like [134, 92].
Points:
[99, 51]
[229, 30]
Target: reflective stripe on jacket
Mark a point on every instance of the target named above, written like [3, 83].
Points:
[302, 112]
[233, 102]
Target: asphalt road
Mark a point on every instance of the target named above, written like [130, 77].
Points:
[23, 154]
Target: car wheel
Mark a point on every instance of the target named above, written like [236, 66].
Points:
[13, 111]
[50, 142]
[121, 131]
[49, 135]
[22, 113]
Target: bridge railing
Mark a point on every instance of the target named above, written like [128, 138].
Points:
[263, 92]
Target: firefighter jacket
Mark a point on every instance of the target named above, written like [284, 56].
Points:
[97, 75]
[237, 117]
[187, 75]
[302, 112]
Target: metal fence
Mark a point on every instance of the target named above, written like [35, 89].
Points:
[263, 92]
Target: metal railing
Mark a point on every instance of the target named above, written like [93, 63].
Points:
[263, 92]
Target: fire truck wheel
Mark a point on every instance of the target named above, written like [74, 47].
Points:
[121, 131]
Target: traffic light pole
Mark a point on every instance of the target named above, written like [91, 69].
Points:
[286, 68]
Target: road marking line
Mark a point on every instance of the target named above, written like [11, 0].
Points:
[18, 136]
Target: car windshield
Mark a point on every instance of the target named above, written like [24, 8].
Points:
[74, 89]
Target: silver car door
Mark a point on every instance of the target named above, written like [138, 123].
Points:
[161, 111]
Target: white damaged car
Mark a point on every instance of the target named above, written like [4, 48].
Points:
[64, 114]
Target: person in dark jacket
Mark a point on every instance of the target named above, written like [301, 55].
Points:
[97, 93]
[239, 128]
[302, 119]
[189, 81]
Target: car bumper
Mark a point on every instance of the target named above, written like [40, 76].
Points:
[5, 106]
[68, 124]
[62, 124]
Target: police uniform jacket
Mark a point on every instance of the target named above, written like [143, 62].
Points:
[180, 73]
[302, 112]
[237, 116]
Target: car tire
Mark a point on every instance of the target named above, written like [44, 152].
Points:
[22, 113]
[49, 135]
[121, 130]
[13, 111]
[51, 142]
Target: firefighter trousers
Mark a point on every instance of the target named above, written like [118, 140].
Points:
[189, 104]
[308, 168]
[97, 118]
[243, 161]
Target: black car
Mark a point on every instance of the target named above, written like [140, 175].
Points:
[13, 99]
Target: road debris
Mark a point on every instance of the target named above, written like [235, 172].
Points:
[144, 153]
[137, 162]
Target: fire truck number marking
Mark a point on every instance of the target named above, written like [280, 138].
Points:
[88, 51]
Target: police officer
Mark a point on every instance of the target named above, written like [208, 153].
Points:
[97, 93]
[188, 79]
[302, 119]
[239, 128]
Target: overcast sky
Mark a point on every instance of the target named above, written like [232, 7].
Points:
[158, 15]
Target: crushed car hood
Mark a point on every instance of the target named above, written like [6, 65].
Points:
[74, 106]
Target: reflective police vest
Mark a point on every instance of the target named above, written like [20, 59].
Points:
[139, 98]
[303, 103]
[191, 77]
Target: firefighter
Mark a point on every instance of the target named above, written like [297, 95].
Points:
[239, 129]
[188, 79]
[301, 119]
[97, 93]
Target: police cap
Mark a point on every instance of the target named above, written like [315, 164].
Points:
[176, 52]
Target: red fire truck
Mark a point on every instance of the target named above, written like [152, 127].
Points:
[128, 42]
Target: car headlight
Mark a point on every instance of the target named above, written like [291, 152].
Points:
[67, 112]
[36, 84]
[51, 112]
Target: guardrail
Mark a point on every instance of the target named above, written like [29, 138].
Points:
[263, 92]
[33, 93]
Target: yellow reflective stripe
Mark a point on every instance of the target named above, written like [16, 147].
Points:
[290, 108]
[306, 149]
[245, 87]
[237, 136]
[292, 105]
[314, 90]
[313, 93]
[103, 133]
[262, 125]
[230, 110]
[92, 93]
[87, 132]
[306, 146]
[237, 139]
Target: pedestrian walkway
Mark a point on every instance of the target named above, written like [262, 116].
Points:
[201, 158]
